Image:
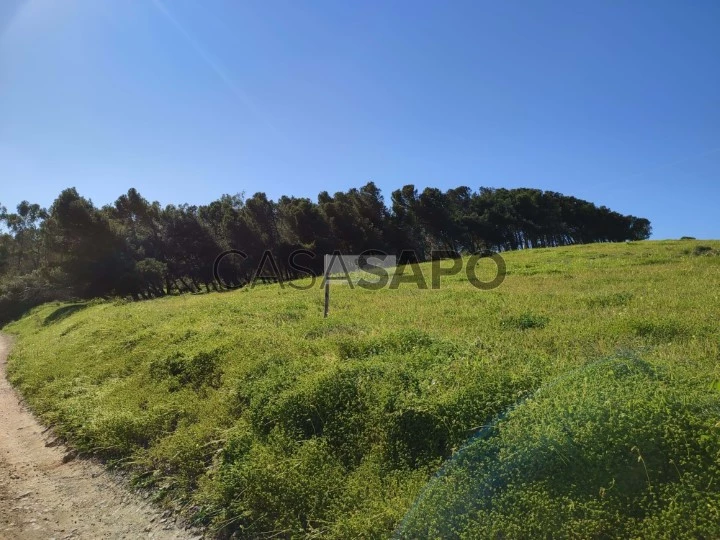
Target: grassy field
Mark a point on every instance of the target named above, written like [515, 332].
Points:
[580, 398]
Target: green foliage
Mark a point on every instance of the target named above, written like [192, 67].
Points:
[181, 370]
[257, 416]
[612, 450]
[667, 329]
[138, 250]
[20, 293]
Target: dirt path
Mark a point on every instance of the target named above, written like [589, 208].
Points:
[41, 497]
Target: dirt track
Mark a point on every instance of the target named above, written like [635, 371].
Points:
[41, 496]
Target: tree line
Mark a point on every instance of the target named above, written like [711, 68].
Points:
[137, 249]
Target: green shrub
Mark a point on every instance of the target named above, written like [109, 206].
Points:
[338, 407]
[283, 487]
[610, 450]
[180, 370]
[116, 434]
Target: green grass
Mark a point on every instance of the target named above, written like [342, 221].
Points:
[592, 374]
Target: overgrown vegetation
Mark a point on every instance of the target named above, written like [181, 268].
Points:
[140, 250]
[615, 449]
[592, 376]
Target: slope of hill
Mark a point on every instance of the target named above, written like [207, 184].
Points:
[588, 383]
[46, 493]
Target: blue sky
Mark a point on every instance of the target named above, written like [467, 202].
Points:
[614, 102]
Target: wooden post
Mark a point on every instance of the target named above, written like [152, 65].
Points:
[327, 297]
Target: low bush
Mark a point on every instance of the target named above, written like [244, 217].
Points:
[613, 450]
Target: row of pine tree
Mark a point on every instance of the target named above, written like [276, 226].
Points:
[137, 249]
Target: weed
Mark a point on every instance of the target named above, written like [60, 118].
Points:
[264, 419]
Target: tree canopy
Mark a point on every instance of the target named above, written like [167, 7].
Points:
[138, 249]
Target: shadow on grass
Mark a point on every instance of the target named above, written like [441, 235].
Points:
[62, 312]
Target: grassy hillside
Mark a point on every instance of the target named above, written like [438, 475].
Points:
[581, 397]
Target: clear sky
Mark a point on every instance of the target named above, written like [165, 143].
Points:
[614, 102]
